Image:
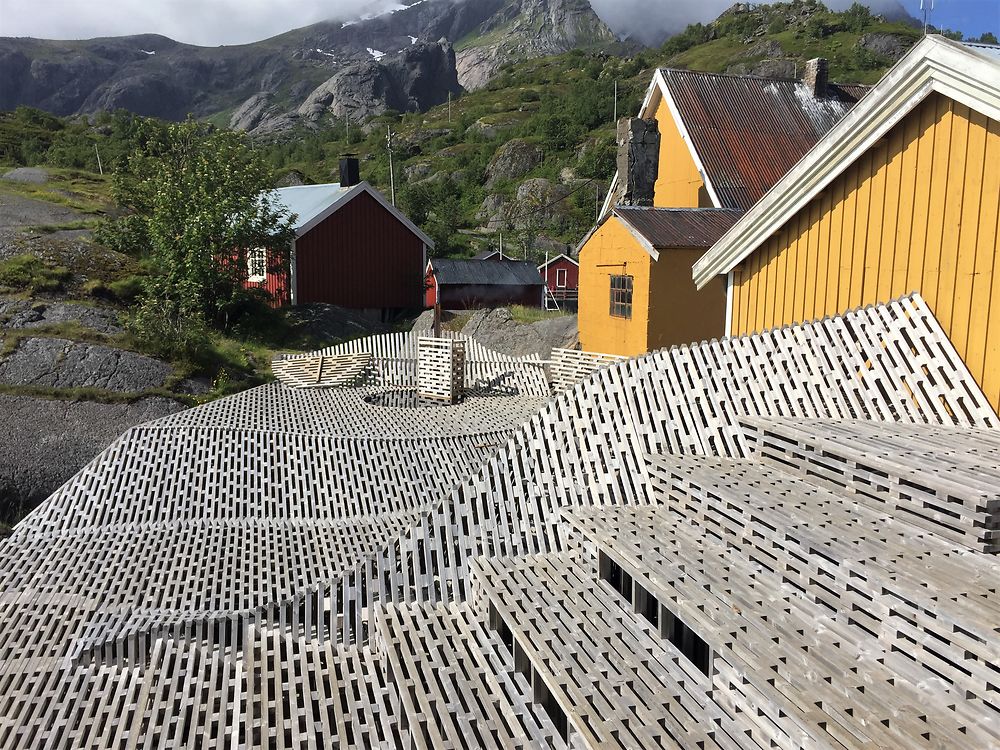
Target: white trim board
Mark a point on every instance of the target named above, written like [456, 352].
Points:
[557, 257]
[934, 65]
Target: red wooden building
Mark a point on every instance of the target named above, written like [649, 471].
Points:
[352, 248]
[562, 281]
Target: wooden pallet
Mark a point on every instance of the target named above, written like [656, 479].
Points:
[319, 371]
[568, 367]
[939, 478]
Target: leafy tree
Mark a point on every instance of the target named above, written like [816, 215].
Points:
[199, 202]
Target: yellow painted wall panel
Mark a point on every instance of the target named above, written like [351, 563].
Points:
[613, 250]
[679, 184]
[920, 211]
[680, 313]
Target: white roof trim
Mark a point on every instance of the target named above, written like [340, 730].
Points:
[935, 64]
[553, 260]
[646, 244]
[346, 196]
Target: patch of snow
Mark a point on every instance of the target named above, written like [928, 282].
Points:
[147, 52]
[324, 52]
[413, 39]
[377, 54]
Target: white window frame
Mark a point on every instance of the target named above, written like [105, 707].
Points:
[257, 265]
[562, 275]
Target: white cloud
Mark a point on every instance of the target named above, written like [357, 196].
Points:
[206, 22]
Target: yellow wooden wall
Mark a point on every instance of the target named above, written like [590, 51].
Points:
[612, 250]
[679, 183]
[680, 313]
[918, 212]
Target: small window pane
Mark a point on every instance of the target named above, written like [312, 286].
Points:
[621, 296]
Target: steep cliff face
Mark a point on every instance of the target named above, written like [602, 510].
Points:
[523, 29]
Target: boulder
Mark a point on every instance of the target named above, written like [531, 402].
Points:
[889, 46]
[514, 159]
[18, 313]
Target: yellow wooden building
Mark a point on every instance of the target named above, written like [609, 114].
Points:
[723, 142]
[902, 196]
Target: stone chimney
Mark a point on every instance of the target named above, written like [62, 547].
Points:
[638, 159]
[350, 171]
[815, 77]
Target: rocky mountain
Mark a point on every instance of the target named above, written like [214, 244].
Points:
[402, 60]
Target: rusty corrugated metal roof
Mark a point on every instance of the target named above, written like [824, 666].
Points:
[749, 131]
[679, 227]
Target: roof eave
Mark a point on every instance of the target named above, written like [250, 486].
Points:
[934, 65]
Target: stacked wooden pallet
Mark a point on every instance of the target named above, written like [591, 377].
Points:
[939, 478]
[567, 367]
[440, 370]
[456, 682]
[319, 371]
[824, 645]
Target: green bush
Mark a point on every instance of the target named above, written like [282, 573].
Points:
[31, 274]
[161, 329]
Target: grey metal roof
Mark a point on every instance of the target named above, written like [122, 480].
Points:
[749, 131]
[993, 50]
[308, 201]
[486, 273]
[679, 227]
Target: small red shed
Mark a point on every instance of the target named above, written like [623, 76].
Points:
[352, 248]
[562, 281]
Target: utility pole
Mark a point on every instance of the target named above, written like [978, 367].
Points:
[392, 177]
[99, 167]
[615, 121]
[927, 6]
[347, 127]
[597, 202]
[501, 243]
[449, 108]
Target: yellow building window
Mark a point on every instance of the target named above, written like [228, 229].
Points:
[621, 297]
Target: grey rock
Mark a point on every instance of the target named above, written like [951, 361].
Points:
[412, 80]
[20, 313]
[251, 112]
[498, 330]
[61, 363]
[539, 202]
[46, 442]
[418, 171]
[890, 46]
[514, 159]
[291, 179]
[27, 175]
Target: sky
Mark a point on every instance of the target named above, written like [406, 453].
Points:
[213, 22]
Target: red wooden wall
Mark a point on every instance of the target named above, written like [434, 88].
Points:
[572, 274]
[359, 257]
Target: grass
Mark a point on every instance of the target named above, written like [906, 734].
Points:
[522, 314]
[84, 191]
[97, 395]
[28, 273]
[71, 330]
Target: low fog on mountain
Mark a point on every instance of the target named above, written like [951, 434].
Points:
[241, 21]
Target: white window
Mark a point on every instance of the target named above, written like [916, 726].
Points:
[257, 265]
[561, 278]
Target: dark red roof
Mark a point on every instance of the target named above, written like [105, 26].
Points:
[749, 131]
[679, 227]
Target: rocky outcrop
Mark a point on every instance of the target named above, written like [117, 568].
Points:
[416, 79]
[45, 442]
[523, 29]
[498, 330]
[19, 313]
[61, 363]
[512, 160]
[890, 46]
